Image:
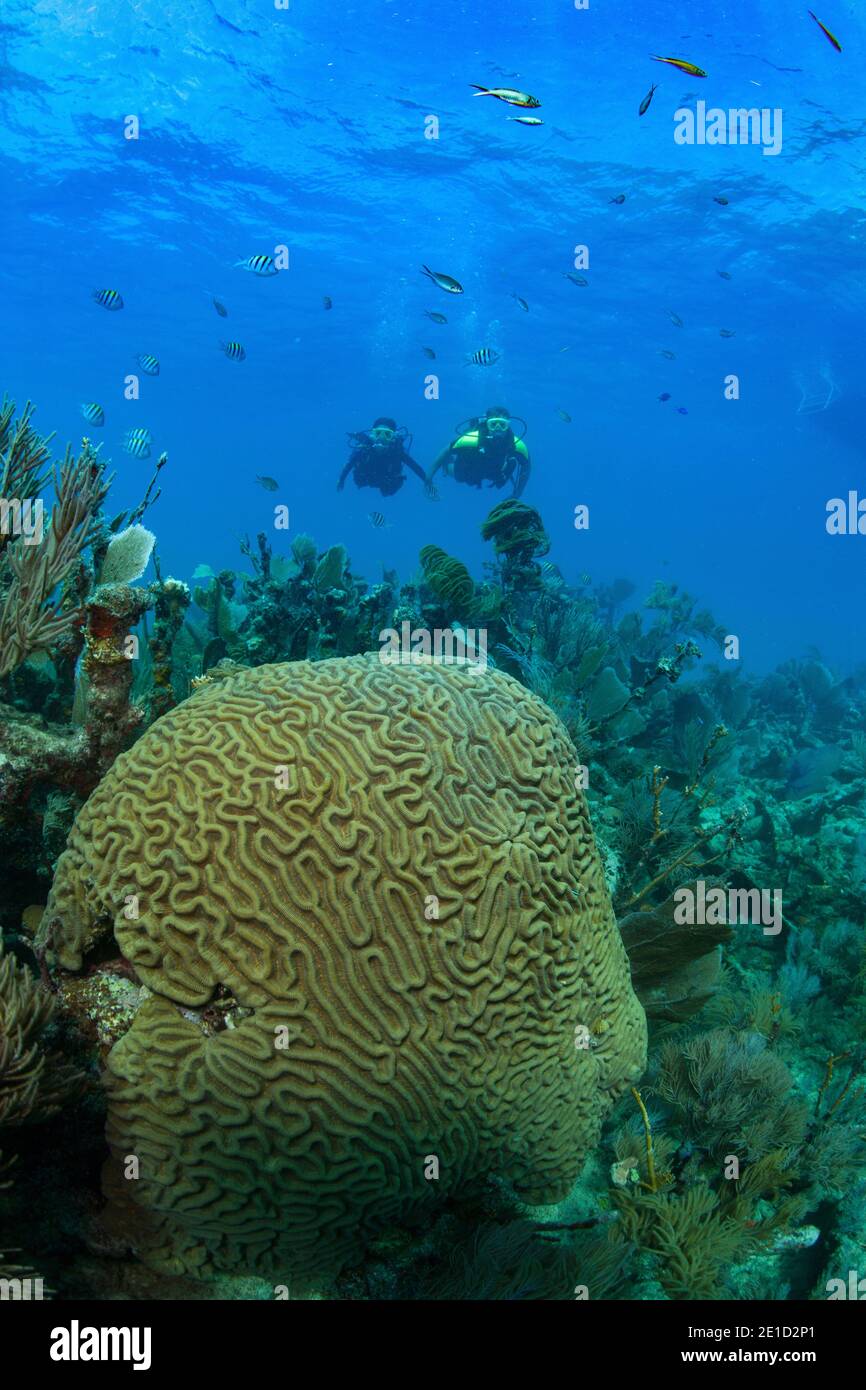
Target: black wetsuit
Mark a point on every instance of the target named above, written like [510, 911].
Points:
[380, 466]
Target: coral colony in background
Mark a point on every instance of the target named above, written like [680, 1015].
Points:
[470, 934]
[330, 968]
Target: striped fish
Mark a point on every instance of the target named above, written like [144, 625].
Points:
[137, 443]
[259, 265]
[93, 413]
[148, 363]
[109, 299]
[234, 351]
[484, 357]
[377, 519]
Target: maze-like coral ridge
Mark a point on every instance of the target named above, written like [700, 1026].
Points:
[391, 867]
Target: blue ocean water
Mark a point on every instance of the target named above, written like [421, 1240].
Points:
[306, 127]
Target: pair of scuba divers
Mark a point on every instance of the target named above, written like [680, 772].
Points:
[484, 450]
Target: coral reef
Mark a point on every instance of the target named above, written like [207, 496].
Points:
[392, 867]
[698, 777]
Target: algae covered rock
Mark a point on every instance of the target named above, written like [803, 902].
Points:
[383, 880]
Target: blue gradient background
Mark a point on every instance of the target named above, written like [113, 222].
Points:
[305, 127]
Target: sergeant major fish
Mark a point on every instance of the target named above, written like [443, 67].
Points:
[259, 265]
[109, 299]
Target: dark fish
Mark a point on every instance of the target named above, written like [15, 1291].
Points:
[507, 94]
[522, 302]
[675, 319]
[269, 484]
[826, 32]
[619, 199]
[681, 410]
[259, 265]
[234, 351]
[327, 302]
[644, 106]
[437, 318]
[666, 352]
[484, 357]
[428, 352]
[665, 396]
[575, 279]
[445, 282]
[564, 415]
[377, 519]
[727, 332]
[109, 299]
[724, 274]
[221, 309]
[148, 363]
[93, 413]
[720, 199]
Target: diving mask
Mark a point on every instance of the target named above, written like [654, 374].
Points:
[381, 434]
[497, 424]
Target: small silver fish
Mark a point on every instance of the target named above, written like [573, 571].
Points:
[437, 318]
[221, 309]
[727, 333]
[522, 302]
[666, 352]
[575, 279]
[428, 352]
[564, 415]
[526, 120]
[675, 319]
[269, 484]
[724, 274]
[445, 282]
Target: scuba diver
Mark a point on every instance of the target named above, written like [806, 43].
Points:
[377, 457]
[487, 450]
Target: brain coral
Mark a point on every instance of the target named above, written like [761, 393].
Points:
[390, 870]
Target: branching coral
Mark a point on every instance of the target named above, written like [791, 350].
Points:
[32, 615]
[33, 1083]
[732, 1092]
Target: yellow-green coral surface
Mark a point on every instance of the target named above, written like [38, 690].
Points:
[391, 868]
